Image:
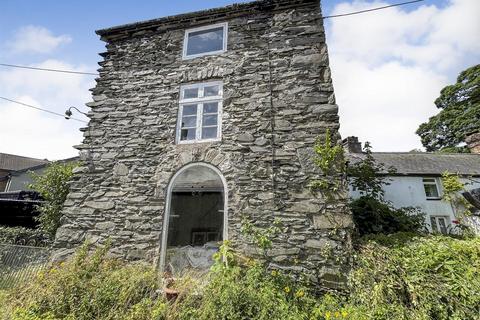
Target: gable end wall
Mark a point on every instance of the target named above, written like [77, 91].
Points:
[278, 97]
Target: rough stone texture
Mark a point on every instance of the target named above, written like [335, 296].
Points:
[278, 97]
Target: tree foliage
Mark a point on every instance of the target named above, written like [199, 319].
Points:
[372, 216]
[371, 213]
[53, 187]
[459, 116]
[368, 175]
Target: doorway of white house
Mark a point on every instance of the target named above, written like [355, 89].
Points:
[195, 218]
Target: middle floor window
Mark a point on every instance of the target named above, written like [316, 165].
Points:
[431, 188]
[199, 114]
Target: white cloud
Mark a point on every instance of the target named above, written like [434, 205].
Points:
[36, 39]
[389, 66]
[29, 132]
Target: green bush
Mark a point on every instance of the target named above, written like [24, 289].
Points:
[395, 277]
[53, 187]
[429, 277]
[372, 216]
[23, 236]
[248, 293]
[89, 286]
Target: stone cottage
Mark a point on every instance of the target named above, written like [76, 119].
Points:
[201, 119]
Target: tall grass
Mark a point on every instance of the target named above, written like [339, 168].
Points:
[396, 277]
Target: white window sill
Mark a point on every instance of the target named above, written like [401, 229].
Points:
[187, 142]
[193, 56]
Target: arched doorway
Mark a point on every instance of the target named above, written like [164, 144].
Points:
[195, 220]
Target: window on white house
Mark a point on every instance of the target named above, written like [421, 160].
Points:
[199, 114]
[205, 41]
[439, 224]
[431, 188]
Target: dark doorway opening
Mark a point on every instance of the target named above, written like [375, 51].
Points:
[196, 219]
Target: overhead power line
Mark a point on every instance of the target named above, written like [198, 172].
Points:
[372, 9]
[45, 69]
[325, 17]
[41, 109]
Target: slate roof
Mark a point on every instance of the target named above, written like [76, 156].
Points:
[10, 162]
[419, 163]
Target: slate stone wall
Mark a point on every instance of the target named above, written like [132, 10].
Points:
[278, 97]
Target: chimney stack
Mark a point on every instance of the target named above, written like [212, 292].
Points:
[473, 142]
[352, 145]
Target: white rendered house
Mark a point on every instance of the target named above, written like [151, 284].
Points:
[417, 183]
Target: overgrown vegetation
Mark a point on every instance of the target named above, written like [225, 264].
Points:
[396, 277]
[371, 213]
[260, 237]
[369, 176]
[89, 286]
[53, 187]
[330, 159]
[452, 189]
[431, 277]
[372, 216]
[23, 236]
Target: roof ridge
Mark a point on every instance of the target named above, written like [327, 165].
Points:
[24, 157]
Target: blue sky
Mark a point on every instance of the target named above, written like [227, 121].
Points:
[387, 66]
[80, 19]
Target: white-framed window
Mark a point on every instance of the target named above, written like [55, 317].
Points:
[200, 112]
[430, 185]
[205, 40]
[439, 224]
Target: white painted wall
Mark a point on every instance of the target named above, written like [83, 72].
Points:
[408, 191]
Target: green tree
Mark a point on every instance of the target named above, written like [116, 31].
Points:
[53, 187]
[371, 213]
[368, 175]
[459, 116]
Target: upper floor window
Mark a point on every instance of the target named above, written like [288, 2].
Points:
[199, 114]
[431, 188]
[205, 41]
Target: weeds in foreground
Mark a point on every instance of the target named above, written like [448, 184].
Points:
[396, 277]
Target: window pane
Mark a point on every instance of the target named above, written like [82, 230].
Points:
[210, 120]
[187, 134]
[189, 109]
[189, 121]
[211, 107]
[205, 41]
[190, 93]
[443, 225]
[429, 180]
[431, 190]
[209, 133]
[211, 91]
[433, 223]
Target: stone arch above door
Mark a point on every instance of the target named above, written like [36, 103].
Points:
[185, 155]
